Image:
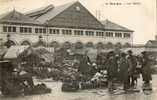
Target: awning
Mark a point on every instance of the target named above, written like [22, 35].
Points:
[14, 51]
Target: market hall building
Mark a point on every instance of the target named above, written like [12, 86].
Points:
[53, 25]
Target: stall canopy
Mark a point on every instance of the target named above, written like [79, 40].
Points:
[14, 51]
[36, 55]
[2, 52]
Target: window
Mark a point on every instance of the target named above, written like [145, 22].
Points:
[30, 30]
[118, 34]
[21, 29]
[9, 29]
[127, 35]
[40, 30]
[44, 30]
[89, 33]
[66, 32]
[100, 34]
[109, 34]
[4, 28]
[36, 30]
[78, 32]
[25, 30]
[54, 31]
[14, 29]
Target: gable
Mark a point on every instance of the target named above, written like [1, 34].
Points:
[75, 16]
[17, 17]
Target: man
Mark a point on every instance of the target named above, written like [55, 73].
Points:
[6, 77]
[23, 75]
[112, 69]
[132, 68]
[85, 63]
[124, 66]
[146, 70]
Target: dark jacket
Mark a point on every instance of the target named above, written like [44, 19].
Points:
[112, 67]
[146, 70]
[132, 64]
[84, 66]
[123, 66]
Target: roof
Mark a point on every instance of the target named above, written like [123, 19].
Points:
[16, 17]
[14, 51]
[152, 43]
[136, 51]
[45, 14]
[39, 11]
[108, 25]
[59, 16]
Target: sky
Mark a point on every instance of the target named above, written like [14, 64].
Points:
[137, 15]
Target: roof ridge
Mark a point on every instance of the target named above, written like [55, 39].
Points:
[46, 7]
[40, 10]
[107, 24]
[56, 10]
[16, 16]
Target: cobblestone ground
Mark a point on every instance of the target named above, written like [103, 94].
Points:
[94, 94]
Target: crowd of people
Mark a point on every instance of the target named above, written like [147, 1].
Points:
[123, 67]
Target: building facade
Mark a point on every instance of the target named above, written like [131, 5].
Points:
[70, 23]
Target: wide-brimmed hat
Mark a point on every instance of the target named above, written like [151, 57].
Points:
[123, 54]
[144, 53]
[129, 51]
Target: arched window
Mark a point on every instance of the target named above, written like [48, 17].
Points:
[89, 45]
[118, 45]
[126, 45]
[79, 45]
[100, 45]
[67, 45]
[26, 43]
[54, 44]
[109, 45]
[40, 43]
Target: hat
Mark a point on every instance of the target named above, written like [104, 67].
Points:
[144, 53]
[123, 54]
[129, 51]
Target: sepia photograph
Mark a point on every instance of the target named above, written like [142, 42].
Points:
[78, 49]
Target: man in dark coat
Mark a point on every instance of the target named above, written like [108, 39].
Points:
[84, 66]
[132, 67]
[124, 66]
[146, 70]
[112, 69]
